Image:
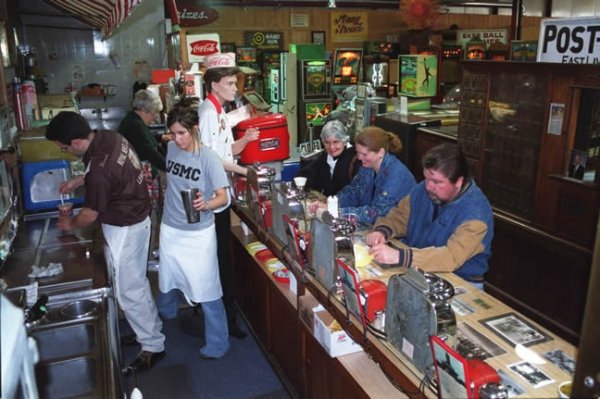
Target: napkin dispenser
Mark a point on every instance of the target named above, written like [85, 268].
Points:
[417, 307]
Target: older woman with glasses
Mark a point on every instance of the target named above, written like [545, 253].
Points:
[335, 167]
[134, 127]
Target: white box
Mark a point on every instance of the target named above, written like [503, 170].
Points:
[336, 343]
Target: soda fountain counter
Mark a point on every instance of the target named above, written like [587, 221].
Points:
[326, 349]
[69, 307]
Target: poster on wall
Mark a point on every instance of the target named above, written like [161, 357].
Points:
[488, 36]
[569, 41]
[202, 44]
[264, 40]
[349, 26]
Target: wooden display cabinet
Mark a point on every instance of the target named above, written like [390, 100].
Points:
[520, 149]
[519, 124]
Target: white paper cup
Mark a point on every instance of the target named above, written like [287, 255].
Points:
[564, 389]
[300, 182]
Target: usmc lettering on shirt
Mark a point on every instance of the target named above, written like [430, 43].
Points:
[181, 170]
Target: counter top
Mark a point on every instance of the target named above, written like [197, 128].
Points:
[448, 132]
[482, 321]
[39, 241]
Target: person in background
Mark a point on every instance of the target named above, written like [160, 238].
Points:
[188, 251]
[115, 195]
[220, 80]
[335, 167]
[577, 168]
[382, 180]
[134, 127]
[445, 224]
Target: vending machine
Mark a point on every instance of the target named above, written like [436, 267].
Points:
[315, 100]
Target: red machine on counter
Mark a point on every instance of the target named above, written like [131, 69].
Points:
[273, 143]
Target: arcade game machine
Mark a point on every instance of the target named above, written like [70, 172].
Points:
[247, 57]
[376, 66]
[315, 100]
[248, 91]
[346, 69]
[269, 60]
[418, 79]
[449, 74]
[290, 95]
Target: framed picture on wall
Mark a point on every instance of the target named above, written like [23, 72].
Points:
[317, 37]
[228, 47]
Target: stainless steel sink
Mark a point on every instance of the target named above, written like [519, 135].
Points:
[78, 347]
[68, 341]
[68, 378]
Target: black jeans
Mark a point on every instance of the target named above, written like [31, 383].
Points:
[223, 227]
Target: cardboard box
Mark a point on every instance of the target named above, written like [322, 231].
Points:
[308, 305]
[336, 342]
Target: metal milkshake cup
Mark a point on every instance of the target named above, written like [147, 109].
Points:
[188, 196]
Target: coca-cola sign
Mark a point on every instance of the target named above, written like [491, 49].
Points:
[191, 14]
[200, 45]
[204, 47]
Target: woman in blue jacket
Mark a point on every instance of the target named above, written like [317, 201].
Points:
[382, 180]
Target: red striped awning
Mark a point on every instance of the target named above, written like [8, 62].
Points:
[104, 15]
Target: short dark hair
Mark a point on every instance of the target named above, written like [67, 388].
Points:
[67, 126]
[216, 74]
[448, 159]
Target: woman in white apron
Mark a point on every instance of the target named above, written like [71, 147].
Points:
[188, 251]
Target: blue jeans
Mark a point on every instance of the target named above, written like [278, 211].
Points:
[215, 329]
[168, 304]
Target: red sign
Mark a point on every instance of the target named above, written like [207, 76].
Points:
[204, 47]
[191, 14]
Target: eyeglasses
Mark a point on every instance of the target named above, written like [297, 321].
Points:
[64, 147]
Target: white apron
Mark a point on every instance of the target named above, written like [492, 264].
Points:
[188, 262]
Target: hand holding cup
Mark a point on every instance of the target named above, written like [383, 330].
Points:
[65, 211]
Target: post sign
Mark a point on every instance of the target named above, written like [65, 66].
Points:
[569, 41]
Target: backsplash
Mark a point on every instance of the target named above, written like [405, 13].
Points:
[73, 58]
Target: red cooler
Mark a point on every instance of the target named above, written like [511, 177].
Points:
[273, 143]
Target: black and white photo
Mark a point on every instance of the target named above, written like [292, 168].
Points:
[531, 374]
[562, 360]
[515, 330]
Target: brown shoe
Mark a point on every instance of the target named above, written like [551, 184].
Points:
[144, 361]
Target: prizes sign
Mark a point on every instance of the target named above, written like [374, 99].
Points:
[570, 41]
[349, 26]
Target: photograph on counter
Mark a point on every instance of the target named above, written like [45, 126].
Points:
[461, 308]
[473, 344]
[451, 370]
[562, 360]
[531, 374]
[482, 303]
[349, 280]
[515, 330]
[460, 291]
[512, 386]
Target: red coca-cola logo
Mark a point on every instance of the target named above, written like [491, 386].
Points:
[204, 47]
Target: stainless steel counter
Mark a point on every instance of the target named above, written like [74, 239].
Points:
[79, 356]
